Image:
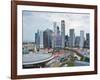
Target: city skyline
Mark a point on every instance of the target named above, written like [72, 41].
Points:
[32, 21]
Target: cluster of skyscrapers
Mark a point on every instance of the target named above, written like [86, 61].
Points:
[56, 38]
[82, 41]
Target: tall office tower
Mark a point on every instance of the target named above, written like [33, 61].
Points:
[55, 28]
[63, 33]
[67, 41]
[58, 42]
[77, 41]
[41, 39]
[55, 33]
[58, 31]
[81, 39]
[37, 39]
[87, 44]
[72, 38]
[47, 38]
[53, 37]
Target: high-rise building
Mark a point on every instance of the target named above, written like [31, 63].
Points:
[41, 39]
[63, 33]
[72, 38]
[81, 39]
[55, 28]
[53, 40]
[58, 31]
[54, 35]
[77, 41]
[47, 38]
[87, 41]
[37, 39]
[67, 41]
[58, 41]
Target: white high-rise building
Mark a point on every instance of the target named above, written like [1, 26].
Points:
[81, 39]
[54, 35]
[63, 33]
[41, 39]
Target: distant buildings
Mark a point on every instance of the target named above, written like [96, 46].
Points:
[27, 46]
[57, 39]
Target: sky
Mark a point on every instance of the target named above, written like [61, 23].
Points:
[34, 20]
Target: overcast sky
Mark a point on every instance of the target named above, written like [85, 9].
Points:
[33, 20]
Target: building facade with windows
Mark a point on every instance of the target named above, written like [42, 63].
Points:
[82, 39]
[72, 38]
[47, 38]
[63, 33]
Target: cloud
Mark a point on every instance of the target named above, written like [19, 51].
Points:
[41, 20]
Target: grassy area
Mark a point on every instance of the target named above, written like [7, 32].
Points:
[86, 59]
[70, 64]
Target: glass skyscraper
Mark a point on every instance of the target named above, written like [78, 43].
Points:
[81, 39]
[63, 33]
[47, 38]
[37, 39]
[58, 42]
[41, 39]
[72, 38]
